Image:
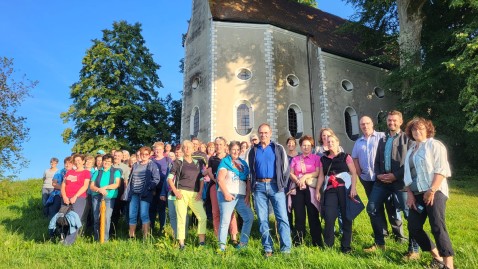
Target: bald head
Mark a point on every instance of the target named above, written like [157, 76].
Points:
[366, 125]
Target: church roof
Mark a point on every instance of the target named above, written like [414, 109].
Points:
[320, 26]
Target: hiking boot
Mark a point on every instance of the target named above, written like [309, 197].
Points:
[374, 248]
[411, 256]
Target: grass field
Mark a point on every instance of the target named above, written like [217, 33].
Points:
[24, 241]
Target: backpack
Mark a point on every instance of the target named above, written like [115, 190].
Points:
[112, 176]
[62, 224]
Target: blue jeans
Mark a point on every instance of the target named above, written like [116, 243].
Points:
[263, 193]
[226, 209]
[380, 193]
[137, 204]
[110, 203]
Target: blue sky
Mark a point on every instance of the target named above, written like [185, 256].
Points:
[48, 39]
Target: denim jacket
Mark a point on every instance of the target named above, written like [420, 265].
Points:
[430, 159]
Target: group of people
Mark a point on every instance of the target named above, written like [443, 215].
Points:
[399, 170]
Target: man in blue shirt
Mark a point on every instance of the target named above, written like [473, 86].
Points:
[269, 168]
[363, 155]
[389, 171]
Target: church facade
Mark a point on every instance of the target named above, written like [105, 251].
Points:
[249, 62]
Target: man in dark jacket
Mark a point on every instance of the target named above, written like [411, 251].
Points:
[389, 170]
[269, 168]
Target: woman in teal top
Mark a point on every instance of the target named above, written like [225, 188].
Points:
[104, 185]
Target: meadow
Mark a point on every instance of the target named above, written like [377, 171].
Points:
[24, 240]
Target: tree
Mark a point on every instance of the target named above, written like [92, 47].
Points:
[115, 101]
[465, 61]
[174, 118]
[436, 70]
[13, 132]
[312, 3]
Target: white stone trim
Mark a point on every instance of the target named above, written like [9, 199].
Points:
[270, 81]
[324, 107]
[212, 84]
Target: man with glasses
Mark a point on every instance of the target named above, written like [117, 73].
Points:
[269, 168]
[363, 155]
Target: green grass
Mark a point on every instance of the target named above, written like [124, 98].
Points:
[24, 241]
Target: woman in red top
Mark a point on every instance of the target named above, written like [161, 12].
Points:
[73, 190]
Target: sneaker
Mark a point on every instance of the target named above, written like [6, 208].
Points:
[436, 264]
[221, 250]
[240, 246]
[182, 247]
[202, 244]
[346, 250]
[374, 248]
[267, 255]
[411, 256]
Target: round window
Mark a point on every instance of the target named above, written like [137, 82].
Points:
[347, 85]
[379, 92]
[244, 74]
[293, 80]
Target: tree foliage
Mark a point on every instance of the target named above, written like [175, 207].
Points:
[312, 3]
[13, 132]
[115, 101]
[442, 86]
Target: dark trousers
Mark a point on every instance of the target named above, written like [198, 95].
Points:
[158, 207]
[334, 200]
[79, 208]
[120, 208]
[54, 207]
[300, 202]
[393, 214]
[436, 218]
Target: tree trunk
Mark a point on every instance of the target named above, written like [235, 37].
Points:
[410, 16]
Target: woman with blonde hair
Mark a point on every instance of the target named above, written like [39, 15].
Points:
[187, 188]
[335, 180]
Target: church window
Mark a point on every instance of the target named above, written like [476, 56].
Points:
[244, 74]
[244, 117]
[379, 92]
[295, 121]
[351, 123]
[347, 85]
[195, 83]
[292, 80]
[194, 126]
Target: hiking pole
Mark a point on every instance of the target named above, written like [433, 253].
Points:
[102, 220]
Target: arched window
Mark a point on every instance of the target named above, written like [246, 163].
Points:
[194, 122]
[244, 116]
[351, 123]
[295, 121]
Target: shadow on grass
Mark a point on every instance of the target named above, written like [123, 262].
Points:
[28, 221]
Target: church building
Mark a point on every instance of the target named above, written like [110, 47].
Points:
[249, 62]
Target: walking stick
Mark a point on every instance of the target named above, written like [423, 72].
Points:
[102, 220]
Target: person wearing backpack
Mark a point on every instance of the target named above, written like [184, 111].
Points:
[104, 185]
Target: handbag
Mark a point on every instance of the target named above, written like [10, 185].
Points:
[311, 181]
[354, 206]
